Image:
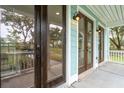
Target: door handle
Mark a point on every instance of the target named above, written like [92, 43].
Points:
[87, 49]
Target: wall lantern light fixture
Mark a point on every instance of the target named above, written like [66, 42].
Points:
[98, 29]
[77, 16]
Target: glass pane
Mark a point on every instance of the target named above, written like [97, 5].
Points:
[89, 42]
[55, 63]
[101, 44]
[81, 42]
[17, 48]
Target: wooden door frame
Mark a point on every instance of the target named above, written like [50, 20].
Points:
[100, 33]
[86, 66]
[42, 27]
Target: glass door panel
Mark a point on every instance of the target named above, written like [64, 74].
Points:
[81, 29]
[56, 42]
[101, 44]
[89, 42]
[17, 49]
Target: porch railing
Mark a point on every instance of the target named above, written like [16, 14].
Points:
[13, 63]
[116, 56]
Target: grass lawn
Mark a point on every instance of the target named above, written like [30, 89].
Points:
[56, 54]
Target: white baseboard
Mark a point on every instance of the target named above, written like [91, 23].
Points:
[73, 79]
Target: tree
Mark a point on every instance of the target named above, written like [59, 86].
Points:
[55, 37]
[117, 37]
[22, 27]
[2, 40]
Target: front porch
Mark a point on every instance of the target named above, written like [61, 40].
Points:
[109, 75]
[60, 62]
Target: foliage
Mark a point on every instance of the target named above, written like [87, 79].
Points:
[117, 37]
[20, 27]
[56, 37]
[56, 54]
[2, 40]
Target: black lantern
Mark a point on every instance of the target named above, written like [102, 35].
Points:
[77, 16]
[98, 29]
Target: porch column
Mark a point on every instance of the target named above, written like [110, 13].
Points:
[106, 44]
[95, 46]
[68, 45]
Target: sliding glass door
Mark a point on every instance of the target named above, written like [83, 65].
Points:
[51, 30]
[32, 46]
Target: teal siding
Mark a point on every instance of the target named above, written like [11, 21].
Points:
[106, 45]
[92, 14]
[73, 42]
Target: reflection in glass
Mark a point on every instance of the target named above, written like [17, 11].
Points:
[81, 42]
[17, 49]
[101, 44]
[89, 41]
[55, 63]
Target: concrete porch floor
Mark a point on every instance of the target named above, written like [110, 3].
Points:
[109, 75]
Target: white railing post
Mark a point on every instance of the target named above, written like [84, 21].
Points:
[121, 56]
[116, 56]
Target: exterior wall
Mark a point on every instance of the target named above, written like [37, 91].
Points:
[72, 41]
[72, 46]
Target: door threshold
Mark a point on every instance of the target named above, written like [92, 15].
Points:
[85, 73]
[101, 64]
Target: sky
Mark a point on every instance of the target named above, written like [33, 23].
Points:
[3, 30]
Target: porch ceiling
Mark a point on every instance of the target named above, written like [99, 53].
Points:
[112, 15]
